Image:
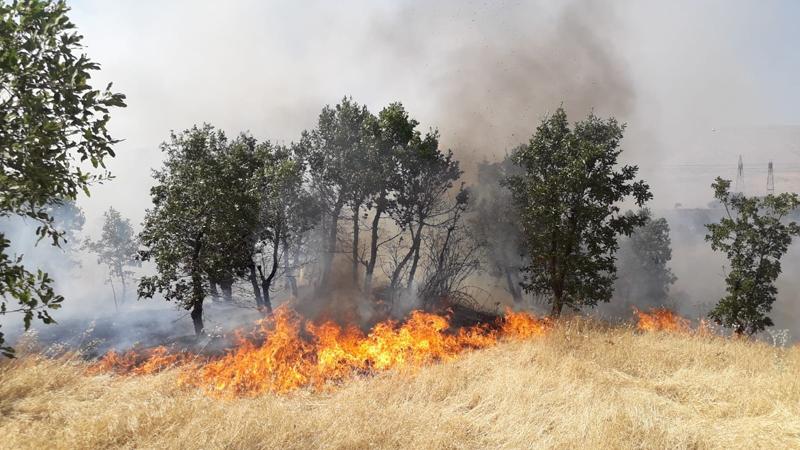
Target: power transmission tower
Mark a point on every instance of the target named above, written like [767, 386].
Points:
[739, 188]
[770, 179]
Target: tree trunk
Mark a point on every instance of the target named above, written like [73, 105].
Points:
[330, 251]
[227, 289]
[416, 244]
[373, 245]
[266, 282]
[291, 281]
[558, 301]
[395, 281]
[513, 287]
[197, 287]
[114, 293]
[124, 289]
[555, 312]
[214, 291]
[254, 283]
[356, 213]
[197, 318]
[293, 278]
[197, 303]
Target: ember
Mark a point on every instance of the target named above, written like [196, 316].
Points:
[286, 353]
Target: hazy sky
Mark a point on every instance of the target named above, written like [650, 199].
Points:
[697, 82]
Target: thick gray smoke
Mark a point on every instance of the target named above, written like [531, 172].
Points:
[497, 69]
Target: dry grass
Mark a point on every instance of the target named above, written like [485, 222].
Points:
[579, 387]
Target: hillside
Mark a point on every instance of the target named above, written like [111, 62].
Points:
[581, 385]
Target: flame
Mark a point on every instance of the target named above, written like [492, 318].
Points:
[660, 319]
[132, 362]
[286, 353]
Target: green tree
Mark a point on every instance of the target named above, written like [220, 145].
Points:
[754, 236]
[337, 152]
[568, 198]
[53, 137]
[394, 132]
[201, 219]
[425, 175]
[117, 249]
[286, 212]
[643, 260]
[237, 161]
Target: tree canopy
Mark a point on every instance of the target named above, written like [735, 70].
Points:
[643, 264]
[53, 137]
[204, 210]
[117, 249]
[754, 235]
[569, 198]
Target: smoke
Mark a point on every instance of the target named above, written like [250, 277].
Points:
[690, 79]
[493, 71]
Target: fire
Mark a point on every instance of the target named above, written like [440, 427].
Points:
[139, 363]
[286, 353]
[660, 319]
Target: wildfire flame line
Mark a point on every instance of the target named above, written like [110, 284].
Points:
[660, 319]
[286, 353]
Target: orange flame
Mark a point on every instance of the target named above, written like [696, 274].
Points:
[660, 319]
[286, 353]
[139, 363]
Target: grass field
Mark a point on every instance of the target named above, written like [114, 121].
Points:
[580, 386]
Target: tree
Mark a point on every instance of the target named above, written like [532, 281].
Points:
[336, 152]
[238, 160]
[53, 137]
[117, 249]
[425, 175]
[494, 221]
[453, 255]
[643, 259]
[568, 198]
[201, 220]
[754, 236]
[396, 131]
[286, 212]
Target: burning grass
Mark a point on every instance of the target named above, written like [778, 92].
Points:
[660, 319]
[286, 353]
[581, 384]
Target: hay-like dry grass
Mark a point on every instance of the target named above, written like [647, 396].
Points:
[581, 386]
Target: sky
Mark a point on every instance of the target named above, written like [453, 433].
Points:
[697, 82]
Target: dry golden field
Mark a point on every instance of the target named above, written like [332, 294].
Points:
[580, 386]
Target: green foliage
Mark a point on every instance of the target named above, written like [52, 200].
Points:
[204, 210]
[392, 135]
[754, 236]
[336, 150]
[117, 248]
[425, 175]
[644, 259]
[568, 197]
[338, 158]
[286, 210]
[53, 136]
